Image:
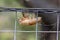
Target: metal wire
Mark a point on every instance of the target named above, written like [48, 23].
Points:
[15, 26]
[57, 25]
[36, 25]
[40, 9]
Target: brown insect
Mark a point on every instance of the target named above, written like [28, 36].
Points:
[26, 20]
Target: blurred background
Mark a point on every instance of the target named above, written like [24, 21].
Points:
[7, 20]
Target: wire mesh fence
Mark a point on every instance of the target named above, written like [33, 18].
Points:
[39, 31]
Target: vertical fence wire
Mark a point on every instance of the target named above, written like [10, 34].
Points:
[57, 25]
[36, 24]
[15, 26]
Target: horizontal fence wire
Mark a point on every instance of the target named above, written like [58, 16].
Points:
[46, 10]
[27, 31]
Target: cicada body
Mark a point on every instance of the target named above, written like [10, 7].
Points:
[25, 20]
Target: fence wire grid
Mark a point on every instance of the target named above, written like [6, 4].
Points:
[44, 10]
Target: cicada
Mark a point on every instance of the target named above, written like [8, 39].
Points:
[28, 20]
